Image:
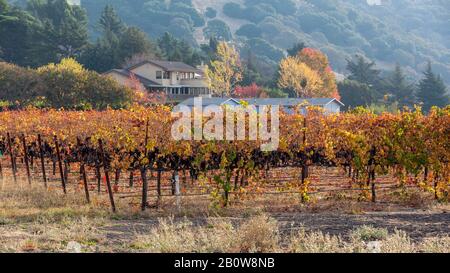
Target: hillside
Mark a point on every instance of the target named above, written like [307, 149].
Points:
[408, 32]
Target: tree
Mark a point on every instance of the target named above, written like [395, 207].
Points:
[19, 86]
[299, 77]
[318, 61]
[355, 94]
[398, 86]
[19, 35]
[69, 85]
[64, 31]
[275, 93]
[432, 90]
[103, 55]
[225, 72]
[251, 74]
[210, 49]
[102, 92]
[64, 83]
[110, 22]
[134, 42]
[219, 29]
[177, 50]
[251, 91]
[363, 71]
[296, 49]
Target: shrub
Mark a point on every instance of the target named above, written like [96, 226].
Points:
[217, 29]
[259, 234]
[233, 10]
[249, 31]
[210, 13]
[369, 233]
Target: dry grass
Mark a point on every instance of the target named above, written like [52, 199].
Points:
[435, 245]
[258, 234]
[33, 219]
[315, 242]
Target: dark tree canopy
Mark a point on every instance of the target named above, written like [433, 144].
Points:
[432, 90]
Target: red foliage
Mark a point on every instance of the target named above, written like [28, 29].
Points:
[142, 96]
[252, 91]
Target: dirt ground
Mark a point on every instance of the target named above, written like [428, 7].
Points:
[33, 219]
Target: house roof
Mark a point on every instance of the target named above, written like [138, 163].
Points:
[127, 73]
[211, 101]
[168, 66]
[293, 101]
[269, 101]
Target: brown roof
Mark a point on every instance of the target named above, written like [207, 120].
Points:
[126, 73]
[169, 66]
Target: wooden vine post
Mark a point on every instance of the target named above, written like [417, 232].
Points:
[97, 173]
[83, 171]
[158, 184]
[1, 169]
[105, 168]
[11, 154]
[25, 156]
[41, 155]
[131, 179]
[61, 170]
[304, 164]
[144, 172]
[371, 174]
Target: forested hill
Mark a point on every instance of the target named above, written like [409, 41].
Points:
[408, 32]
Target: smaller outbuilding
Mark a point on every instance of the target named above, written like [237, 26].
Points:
[330, 105]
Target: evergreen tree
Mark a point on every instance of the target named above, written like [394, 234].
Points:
[432, 90]
[104, 54]
[110, 22]
[135, 42]
[251, 74]
[210, 49]
[355, 94]
[298, 47]
[186, 52]
[363, 71]
[398, 86]
[19, 34]
[64, 30]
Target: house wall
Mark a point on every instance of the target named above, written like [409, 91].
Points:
[148, 71]
[194, 83]
[333, 107]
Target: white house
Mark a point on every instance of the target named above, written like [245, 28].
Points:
[177, 80]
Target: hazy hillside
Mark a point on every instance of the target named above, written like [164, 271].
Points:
[410, 32]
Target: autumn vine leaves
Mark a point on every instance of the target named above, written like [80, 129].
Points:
[412, 146]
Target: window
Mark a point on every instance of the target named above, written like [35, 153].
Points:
[166, 75]
[158, 75]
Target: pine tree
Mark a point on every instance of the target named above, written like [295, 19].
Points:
[432, 90]
[298, 47]
[110, 22]
[363, 71]
[18, 35]
[64, 32]
[251, 74]
[403, 91]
